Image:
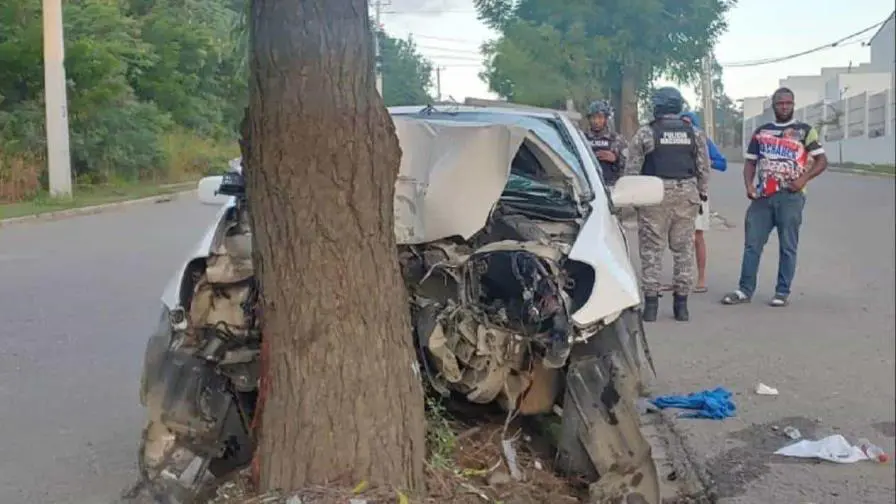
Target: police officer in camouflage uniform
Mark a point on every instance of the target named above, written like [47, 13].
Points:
[608, 146]
[671, 149]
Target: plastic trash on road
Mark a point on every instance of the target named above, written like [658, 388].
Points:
[792, 432]
[832, 448]
[763, 389]
[874, 452]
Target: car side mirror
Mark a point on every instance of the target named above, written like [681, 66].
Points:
[207, 191]
[637, 191]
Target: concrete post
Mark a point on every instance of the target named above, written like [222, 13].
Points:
[867, 102]
[845, 128]
[56, 103]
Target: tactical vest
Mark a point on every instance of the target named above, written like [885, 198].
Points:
[602, 143]
[674, 155]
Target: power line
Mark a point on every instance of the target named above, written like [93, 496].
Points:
[457, 58]
[430, 11]
[445, 39]
[449, 49]
[830, 45]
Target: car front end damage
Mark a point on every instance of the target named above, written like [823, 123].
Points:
[487, 219]
[497, 303]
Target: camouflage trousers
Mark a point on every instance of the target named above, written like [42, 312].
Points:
[672, 222]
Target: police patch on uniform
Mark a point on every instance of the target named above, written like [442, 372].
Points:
[675, 138]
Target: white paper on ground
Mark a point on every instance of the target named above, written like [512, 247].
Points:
[832, 448]
[763, 389]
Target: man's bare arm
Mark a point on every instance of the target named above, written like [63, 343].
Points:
[819, 159]
[750, 177]
[819, 164]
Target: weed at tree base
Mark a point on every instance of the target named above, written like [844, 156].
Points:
[464, 465]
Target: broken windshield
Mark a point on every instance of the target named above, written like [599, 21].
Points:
[545, 128]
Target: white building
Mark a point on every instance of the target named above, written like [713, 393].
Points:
[852, 106]
[883, 48]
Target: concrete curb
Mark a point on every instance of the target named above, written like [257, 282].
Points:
[687, 464]
[856, 171]
[95, 209]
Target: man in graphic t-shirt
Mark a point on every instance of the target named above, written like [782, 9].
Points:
[776, 170]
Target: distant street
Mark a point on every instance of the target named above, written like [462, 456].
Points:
[830, 354]
[78, 298]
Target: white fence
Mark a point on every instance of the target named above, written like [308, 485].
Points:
[859, 129]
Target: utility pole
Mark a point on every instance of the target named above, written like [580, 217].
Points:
[438, 84]
[58, 155]
[708, 107]
[378, 9]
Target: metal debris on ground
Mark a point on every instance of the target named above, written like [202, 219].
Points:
[510, 456]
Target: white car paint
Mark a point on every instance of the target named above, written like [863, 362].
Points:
[601, 242]
[444, 159]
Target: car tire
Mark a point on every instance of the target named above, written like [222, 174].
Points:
[600, 436]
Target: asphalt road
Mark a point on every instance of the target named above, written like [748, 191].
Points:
[78, 298]
[830, 353]
[80, 295]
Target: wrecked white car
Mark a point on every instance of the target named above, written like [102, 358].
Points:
[519, 284]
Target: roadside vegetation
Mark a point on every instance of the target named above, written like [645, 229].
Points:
[156, 92]
[871, 169]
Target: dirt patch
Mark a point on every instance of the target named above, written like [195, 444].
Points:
[734, 470]
[886, 428]
[476, 473]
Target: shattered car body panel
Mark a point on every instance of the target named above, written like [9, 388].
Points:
[512, 260]
[444, 190]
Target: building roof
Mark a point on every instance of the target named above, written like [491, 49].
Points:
[888, 21]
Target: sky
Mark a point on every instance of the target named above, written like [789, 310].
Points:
[448, 33]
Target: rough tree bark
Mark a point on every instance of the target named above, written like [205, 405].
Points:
[629, 102]
[341, 398]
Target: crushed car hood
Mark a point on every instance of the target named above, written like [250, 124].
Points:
[452, 175]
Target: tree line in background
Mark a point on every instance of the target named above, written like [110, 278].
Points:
[156, 89]
[549, 51]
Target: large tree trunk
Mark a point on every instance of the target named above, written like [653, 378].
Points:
[341, 398]
[616, 102]
[629, 101]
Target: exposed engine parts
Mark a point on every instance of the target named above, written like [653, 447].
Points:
[487, 319]
[202, 404]
[492, 293]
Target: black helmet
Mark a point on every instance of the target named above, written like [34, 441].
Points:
[667, 100]
[600, 107]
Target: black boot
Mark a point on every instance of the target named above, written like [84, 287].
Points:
[651, 305]
[680, 308]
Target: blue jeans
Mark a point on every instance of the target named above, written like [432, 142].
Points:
[784, 211]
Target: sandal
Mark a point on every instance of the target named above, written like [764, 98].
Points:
[780, 300]
[736, 297]
[700, 290]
